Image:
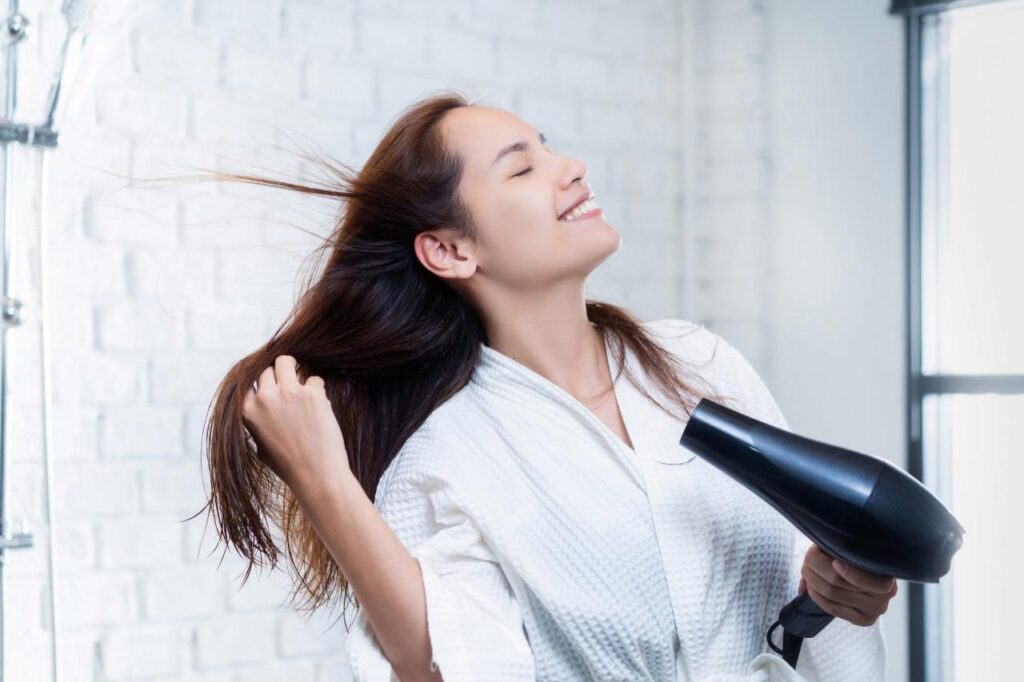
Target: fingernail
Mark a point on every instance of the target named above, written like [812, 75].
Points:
[838, 565]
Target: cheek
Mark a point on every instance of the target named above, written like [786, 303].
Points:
[520, 241]
[521, 227]
[522, 246]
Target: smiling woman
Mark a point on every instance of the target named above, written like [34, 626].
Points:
[518, 197]
[463, 365]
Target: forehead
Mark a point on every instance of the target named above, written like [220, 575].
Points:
[478, 133]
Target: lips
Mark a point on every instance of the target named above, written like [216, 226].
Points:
[583, 197]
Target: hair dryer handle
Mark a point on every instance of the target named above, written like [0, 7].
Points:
[804, 617]
[799, 619]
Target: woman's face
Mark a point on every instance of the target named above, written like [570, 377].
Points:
[516, 201]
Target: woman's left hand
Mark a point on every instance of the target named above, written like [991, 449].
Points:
[845, 591]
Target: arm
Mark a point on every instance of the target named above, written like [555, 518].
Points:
[383, 574]
[299, 437]
[475, 624]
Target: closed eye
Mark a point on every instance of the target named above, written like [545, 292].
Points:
[530, 168]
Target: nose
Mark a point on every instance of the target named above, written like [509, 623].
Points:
[575, 170]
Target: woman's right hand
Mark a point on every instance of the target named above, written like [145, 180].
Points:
[296, 432]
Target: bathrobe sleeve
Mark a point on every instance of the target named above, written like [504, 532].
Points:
[474, 621]
[842, 651]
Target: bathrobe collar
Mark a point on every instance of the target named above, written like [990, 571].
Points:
[654, 434]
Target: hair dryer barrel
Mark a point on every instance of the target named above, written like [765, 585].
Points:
[857, 507]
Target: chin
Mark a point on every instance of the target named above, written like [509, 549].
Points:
[610, 234]
[603, 243]
[595, 236]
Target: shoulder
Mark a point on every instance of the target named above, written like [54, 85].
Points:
[720, 363]
[696, 341]
[415, 496]
[434, 482]
[691, 342]
[428, 459]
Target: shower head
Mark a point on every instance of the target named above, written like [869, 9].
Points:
[85, 16]
[77, 13]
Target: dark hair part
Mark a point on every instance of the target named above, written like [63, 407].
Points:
[391, 341]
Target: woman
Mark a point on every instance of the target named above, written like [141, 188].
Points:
[533, 516]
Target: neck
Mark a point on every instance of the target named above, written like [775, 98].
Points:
[554, 338]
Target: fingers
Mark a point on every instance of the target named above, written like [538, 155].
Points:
[282, 373]
[863, 580]
[854, 598]
[859, 599]
[850, 613]
[284, 370]
[821, 564]
[839, 573]
[266, 378]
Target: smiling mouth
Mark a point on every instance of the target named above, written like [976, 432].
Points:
[587, 209]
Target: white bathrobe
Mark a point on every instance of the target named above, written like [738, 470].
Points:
[550, 550]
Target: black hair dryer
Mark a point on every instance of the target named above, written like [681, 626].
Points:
[855, 507]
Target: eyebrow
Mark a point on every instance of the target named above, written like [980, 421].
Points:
[520, 146]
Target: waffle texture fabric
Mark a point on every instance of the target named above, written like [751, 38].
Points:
[551, 550]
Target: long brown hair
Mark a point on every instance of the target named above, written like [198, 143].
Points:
[391, 341]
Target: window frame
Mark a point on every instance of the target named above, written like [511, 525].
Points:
[925, 662]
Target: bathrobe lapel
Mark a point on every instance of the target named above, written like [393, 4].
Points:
[497, 368]
[655, 435]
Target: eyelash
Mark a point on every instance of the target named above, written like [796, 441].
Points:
[529, 168]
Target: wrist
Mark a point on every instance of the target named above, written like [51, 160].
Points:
[315, 486]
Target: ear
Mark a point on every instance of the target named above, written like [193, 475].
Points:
[446, 253]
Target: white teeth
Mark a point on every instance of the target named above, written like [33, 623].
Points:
[587, 205]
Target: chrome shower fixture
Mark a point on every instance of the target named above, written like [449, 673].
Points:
[82, 17]
[17, 27]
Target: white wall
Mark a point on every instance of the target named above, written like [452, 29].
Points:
[795, 213]
[155, 291]
[727, 198]
[836, 298]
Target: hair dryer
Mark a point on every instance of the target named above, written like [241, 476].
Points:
[856, 507]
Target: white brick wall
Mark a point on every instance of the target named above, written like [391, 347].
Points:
[730, 168]
[156, 290]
